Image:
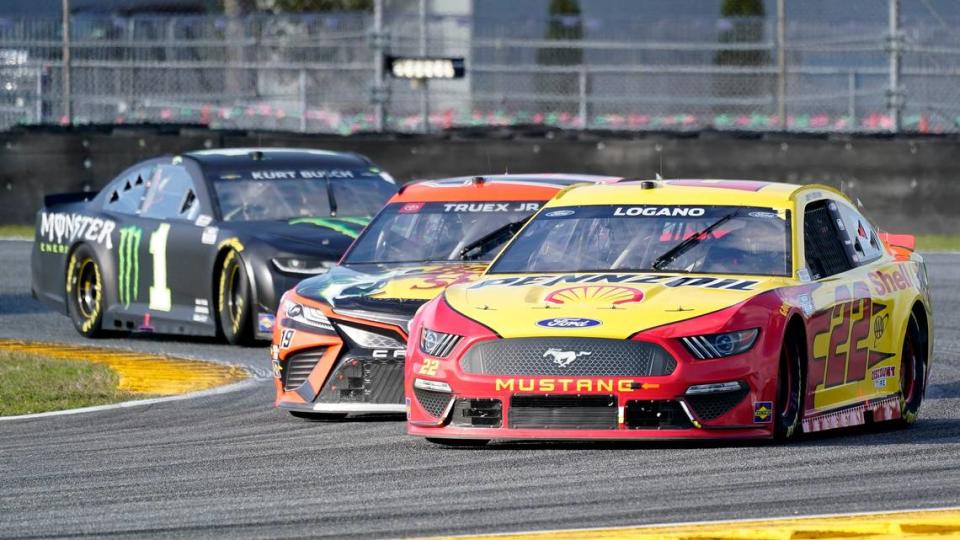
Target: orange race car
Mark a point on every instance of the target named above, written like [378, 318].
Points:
[338, 345]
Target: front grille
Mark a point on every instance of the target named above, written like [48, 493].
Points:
[711, 406]
[652, 414]
[434, 403]
[563, 412]
[477, 413]
[568, 356]
[299, 366]
[364, 380]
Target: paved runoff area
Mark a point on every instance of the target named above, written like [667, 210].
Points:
[231, 465]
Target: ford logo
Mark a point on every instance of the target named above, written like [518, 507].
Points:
[559, 213]
[568, 322]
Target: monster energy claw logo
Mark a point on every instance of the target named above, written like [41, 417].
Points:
[129, 264]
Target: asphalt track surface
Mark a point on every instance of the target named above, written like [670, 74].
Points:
[232, 465]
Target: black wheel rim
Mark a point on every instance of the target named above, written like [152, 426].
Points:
[88, 289]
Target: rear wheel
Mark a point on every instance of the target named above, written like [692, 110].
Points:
[912, 373]
[84, 292]
[461, 443]
[234, 304]
[790, 384]
[318, 417]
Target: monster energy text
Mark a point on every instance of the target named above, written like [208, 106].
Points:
[129, 263]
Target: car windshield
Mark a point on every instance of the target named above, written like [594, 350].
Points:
[440, 231]
[260, 195]
[694, 239]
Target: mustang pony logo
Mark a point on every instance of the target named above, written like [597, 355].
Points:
[563, 358]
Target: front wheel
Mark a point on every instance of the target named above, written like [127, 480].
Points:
[234, 304]
[790, 385]
[912, 373]
[84, 292]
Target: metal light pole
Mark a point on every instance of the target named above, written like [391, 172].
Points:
[65, 70]
[894, 47]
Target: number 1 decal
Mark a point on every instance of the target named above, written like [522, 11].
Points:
[159, 292]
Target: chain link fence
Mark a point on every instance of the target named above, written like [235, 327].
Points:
[814, 65]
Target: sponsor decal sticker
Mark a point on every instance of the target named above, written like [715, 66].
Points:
[411, 208]
[59, 228]
[277, 368]
[209, 236]
[568, 322]
[806, 304]
[491, 207]
[203, 220]
[548, 384]
[668, 281]
[879, 376]
[265, 322]
[564, 358]
[763, 215]
[762, 412]
[560, 213]
[128, 262]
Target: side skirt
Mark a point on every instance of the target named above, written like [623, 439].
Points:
[881, 409]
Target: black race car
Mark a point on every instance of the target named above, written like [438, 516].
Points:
[202, 243]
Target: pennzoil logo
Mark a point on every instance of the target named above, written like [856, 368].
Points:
[762, 412]
[607, 295]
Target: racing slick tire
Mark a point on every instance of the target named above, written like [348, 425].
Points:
[459, 443]
[234, 300]
[790, 390]
[912, 373]
[84, 292]
[318, 417]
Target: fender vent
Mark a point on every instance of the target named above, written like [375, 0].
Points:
[435, 403]
[712, 406]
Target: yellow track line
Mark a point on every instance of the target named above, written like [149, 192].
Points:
[141, 373]
[908, 524]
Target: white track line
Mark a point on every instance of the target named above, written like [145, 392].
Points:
[235, 387]
[714, 522]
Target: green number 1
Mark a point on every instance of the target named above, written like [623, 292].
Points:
[159, 292]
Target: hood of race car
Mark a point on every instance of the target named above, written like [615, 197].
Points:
[598, 305]
[346, 284]
[328, 237]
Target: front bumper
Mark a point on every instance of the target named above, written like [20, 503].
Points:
[483, 406]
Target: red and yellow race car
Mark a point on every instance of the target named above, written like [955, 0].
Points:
[338, 345]
[677, 309]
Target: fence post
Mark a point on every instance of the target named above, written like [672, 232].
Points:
[781, 65]
[424, 87]
[582, 101]
[852, 96]
[894, 48]
[65, 69]
[303, 99]
[378, 91]
[38, 102]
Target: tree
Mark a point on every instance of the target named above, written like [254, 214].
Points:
[565, 24]
[745, 24]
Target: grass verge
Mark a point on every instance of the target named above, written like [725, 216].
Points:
[16, 231]
[938, 242]
[31, 383]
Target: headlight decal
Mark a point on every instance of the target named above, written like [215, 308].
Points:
[712, 346]
[306, 315]
[438, 344]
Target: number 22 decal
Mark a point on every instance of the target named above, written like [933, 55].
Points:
[847, 327]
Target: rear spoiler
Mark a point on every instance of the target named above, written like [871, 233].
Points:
[907, 241]
[65, 198]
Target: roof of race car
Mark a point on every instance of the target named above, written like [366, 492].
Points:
[498, 187]
[220, 157]
[683, 191]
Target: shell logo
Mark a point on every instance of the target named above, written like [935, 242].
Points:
[604, 295]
